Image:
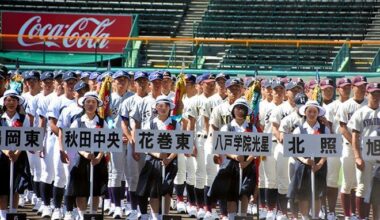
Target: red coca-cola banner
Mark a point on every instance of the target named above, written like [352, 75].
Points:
[60, 27]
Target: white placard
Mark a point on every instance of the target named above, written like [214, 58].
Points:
[20, 138]
[242, 143]
[92, 139]
[309, 145]
[164, 141]
[371, 148]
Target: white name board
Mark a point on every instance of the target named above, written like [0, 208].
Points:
[90, 139]
[308, 145]
[371, 148]
[242, 143]
[20, 138]
[164, 141]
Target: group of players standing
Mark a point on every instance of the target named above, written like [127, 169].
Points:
[140, 100]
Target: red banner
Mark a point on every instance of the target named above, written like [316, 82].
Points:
[31, 27]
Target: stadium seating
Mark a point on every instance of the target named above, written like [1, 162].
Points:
[156, 18]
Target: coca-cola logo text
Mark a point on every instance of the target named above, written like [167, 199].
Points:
[62, 32]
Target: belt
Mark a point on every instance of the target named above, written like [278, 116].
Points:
[202, 135]
[274, 141]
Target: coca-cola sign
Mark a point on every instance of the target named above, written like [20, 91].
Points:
[65, 32]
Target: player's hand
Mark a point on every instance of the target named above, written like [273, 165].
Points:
[317, 167]
[166, 161]
[13, 156]
[360, 163]
[96, 161]
[125, 140]
[195, 151]
[218, 159]
[309, 162]
[136, 156]
[64, 157]
[89, 156]
[244, 164]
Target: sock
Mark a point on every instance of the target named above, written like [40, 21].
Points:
[332, 197]
[282, 203]
[262, 199]
[116, 192]
[346, 204]
[134, 200]
[294, 208]
[271, 195]
[223, 207]
[207, 199]
[179, 188]
[69, 202]
[231, 215]
[190, 194]
[36, 189]
[361, 207]
[58, 196]
[143, 204]
[199, 197]
[46, 192]
[110, 195]
[353, 202]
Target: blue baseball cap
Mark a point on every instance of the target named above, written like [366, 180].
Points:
[248, 82]
[300, 99]
[58, 74]
[206, 77]
[223, 76]
[167, 74]
[81, 85]
[33, 74]
[191, 78]
[84, 75]
[47, 75]
[155, 76]
[131, 74]
[232, 82]
[93, 75]
[120, 73]
[78, 72]
[69, 75]
[140, 74]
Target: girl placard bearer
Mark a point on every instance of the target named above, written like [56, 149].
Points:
[79, 182]
[151, 185]
[300, 185]
[227, 183]
[12, 117]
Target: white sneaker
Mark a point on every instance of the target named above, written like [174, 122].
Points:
[201, 213]
[133, 215]
[224, 218]
[331, 216]
[127, 208]
[56, 214]
[39, 211]
[305, 218]
[46, 212]
[37, 205]
[253, 209]
[215, 215]
[21, 201]
[107, 205]
[111, 210]
[270, 215]
[144, 217]
[321, 214]
[181, 208]
[192, 211]
[34, 199]
[208, 216]
[69, 216]
[281, 216]
[118, 213]
[262, 213]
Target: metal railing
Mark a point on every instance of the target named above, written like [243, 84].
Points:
[131, 52]
[376, 62]
[172, 58]
[341, 59]
[197, 63]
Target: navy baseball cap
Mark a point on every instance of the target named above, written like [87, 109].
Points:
[84, 75]
[33, 74]
[47, 75]
[294, 83]
[120, 73]
[300, 99]
[191, 78]
[222, 76]
[93, 75]
[232, 82]
[206, 77]
[131, 74]
[265, 83]
[156, 75]
[69, 75]
[140, 74]
[78, 73]
[58, 74]
[81, 85]
[277, 83]
[167, 75]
